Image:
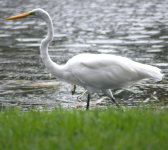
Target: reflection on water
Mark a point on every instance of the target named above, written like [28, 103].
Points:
[137, 30]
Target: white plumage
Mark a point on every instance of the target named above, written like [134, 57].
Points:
[105, 71]
[95, 72]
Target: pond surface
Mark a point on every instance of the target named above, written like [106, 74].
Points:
[134, 29]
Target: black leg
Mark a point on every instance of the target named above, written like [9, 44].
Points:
[114, 101]
[88, 101]
[109, 93]
[73, 89]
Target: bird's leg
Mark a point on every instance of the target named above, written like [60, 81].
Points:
[88, 101]
[73, 89]
[109, 93]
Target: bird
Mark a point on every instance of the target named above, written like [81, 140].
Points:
[95, 72]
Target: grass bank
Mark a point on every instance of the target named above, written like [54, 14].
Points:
[133, 129]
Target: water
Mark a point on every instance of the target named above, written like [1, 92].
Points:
[134, 29]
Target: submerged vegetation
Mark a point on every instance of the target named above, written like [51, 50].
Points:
[92, 130]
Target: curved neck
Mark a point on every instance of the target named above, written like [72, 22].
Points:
[50, 65]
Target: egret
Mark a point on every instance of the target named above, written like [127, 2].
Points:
[94, 72]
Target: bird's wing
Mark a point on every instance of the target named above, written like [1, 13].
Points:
[102, 71]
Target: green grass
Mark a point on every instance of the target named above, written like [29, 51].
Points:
[134, 129]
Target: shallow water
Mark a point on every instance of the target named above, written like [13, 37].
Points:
[134, 29]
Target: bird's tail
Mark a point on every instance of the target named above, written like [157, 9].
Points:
[151, 72]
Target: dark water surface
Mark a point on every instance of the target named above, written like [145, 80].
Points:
[134, 29]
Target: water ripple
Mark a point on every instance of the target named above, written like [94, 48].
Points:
[135, 29]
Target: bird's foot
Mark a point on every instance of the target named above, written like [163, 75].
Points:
[119, 107]
[79, 98]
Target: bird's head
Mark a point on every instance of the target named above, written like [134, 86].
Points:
[39, 13]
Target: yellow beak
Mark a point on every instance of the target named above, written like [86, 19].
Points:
[19, 16]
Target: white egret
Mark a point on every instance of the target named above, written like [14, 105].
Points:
[94, 72]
